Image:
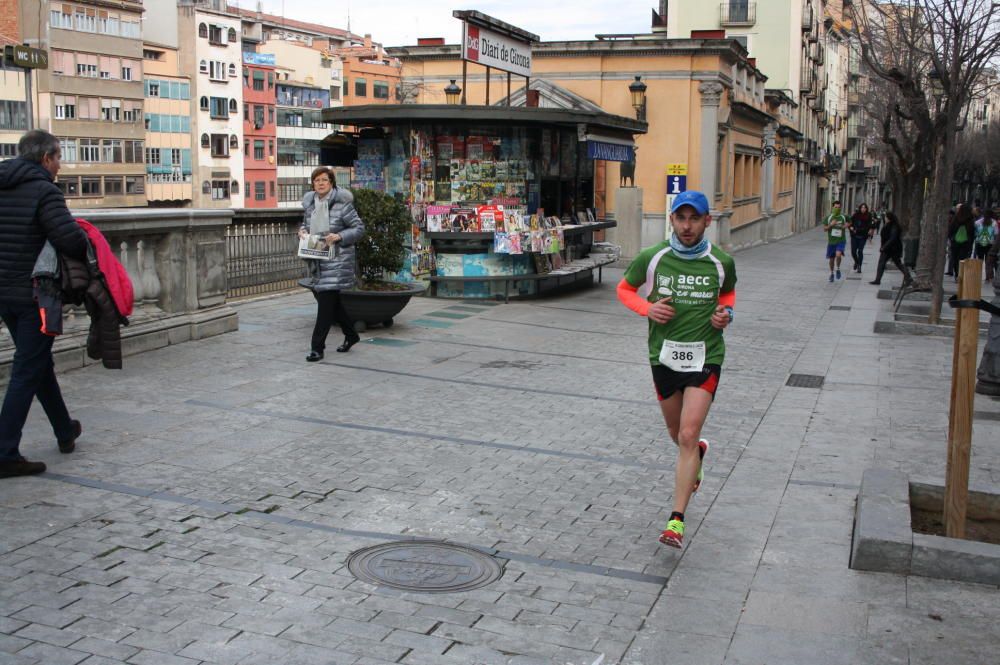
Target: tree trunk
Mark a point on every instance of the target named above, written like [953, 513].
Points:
[940, 198]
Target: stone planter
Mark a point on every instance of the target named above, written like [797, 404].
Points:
[369, 308]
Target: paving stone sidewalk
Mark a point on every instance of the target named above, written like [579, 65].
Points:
[220, 486]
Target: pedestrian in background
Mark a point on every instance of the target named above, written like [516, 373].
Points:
[861, 230]
[891, 249]
[986, 231]
[32, 210]
[961, 232]
[329, 212]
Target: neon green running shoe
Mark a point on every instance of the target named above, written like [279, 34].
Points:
[673, 535]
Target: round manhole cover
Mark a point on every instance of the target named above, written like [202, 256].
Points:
[428, 567]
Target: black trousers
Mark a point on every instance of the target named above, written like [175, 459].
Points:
[883, 259]
[330, 310]
[960, 251]
[858, 249]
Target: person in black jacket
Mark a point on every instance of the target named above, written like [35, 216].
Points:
[891, 249]
[32, 210]
[861, 230]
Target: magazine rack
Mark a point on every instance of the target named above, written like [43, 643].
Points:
[580, 258]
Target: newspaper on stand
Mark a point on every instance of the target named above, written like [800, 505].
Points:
[316, 247]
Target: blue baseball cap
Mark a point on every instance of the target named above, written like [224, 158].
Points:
[691, 198]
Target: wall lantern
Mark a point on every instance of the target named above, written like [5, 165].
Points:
[452, 92]
[638, 90]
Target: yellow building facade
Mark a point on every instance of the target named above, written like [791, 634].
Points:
[168, 128]
[706, 109]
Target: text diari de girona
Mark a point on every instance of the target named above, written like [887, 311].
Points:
[498, 51]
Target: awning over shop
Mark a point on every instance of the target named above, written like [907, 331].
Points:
[609, 137]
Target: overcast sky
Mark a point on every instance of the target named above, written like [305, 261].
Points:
[400, 22]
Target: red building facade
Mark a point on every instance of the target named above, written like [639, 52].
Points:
[260, 140]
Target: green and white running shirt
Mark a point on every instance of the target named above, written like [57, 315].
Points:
[694, 286]
[837, 233]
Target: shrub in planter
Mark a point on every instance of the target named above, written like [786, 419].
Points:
[380, 252]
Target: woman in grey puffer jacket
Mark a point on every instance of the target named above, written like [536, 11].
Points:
[330, 211]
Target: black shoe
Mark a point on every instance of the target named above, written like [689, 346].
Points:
[348, 343]
[314, 356]
[69, 445]
[875, 283]
[20, 467]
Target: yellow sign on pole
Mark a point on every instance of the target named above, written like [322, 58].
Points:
[677, 169]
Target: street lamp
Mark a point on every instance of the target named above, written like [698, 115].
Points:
[452, 93]
[638, 90]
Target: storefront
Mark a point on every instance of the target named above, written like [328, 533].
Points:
[502, 198]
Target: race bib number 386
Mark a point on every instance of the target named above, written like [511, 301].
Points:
[683, 356]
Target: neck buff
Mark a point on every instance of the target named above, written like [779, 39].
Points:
[688, 252]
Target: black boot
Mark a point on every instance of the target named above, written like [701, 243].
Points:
[348, 343]
[20, 467]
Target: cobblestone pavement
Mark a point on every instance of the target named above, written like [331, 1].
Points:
[220, 485]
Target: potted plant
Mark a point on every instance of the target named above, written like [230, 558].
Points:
[380, 253]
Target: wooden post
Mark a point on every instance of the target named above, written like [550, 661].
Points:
[487, 85]
[963, 384]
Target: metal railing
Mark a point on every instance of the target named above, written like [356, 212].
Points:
[807, 78]
[261, 251]
[857, 166]
[738, 12]
[807, 18]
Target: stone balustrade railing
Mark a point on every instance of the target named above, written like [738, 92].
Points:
[176, 259]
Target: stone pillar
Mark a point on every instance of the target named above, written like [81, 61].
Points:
[628, 215]
[711, 96]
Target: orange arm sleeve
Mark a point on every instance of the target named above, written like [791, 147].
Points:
[728, 298]
[630, 297]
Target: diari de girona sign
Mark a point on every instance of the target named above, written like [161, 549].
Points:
[492, 49]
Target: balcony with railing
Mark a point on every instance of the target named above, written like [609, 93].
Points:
[807, 18]
[856, 166]
[806, 78]
[737, 13]
[857, 128]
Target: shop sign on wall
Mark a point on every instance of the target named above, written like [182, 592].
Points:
[610, 152]
[489, 48]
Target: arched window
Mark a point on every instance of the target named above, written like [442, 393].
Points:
[203, 103]
[233, 106]
[202, 30]
[232, 70]
[206, 187]
[205, 141]
[235, 188]
[232, 34]
[234, 142]
[203, 67]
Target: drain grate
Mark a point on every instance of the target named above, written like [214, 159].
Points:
[424, 567]
[839, 308]
[805, 381]
[985, 415]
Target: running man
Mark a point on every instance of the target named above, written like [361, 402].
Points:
[685, 286]
[835, 226]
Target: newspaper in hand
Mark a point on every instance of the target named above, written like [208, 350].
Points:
[316, 247]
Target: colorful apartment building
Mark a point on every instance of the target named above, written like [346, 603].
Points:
[169, 169]
[260, 170]
[91, 97]
[370, 76]
[210, 51]
[14, 120]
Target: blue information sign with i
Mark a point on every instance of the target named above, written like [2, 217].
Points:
[676, 184]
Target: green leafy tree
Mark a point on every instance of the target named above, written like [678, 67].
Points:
[387, 222]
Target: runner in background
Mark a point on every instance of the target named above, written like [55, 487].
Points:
[835, 226]
[685, 286]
